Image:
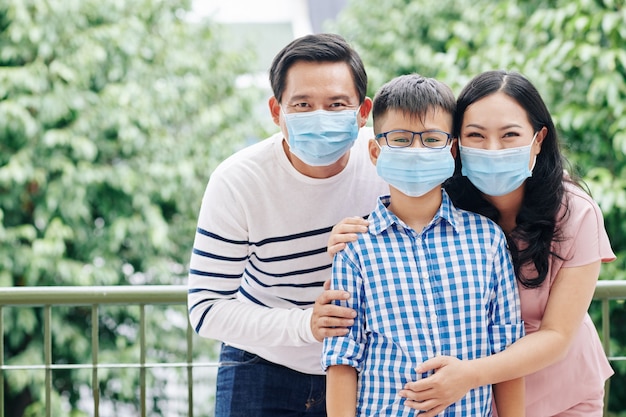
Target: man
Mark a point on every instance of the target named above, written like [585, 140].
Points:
[259, 259]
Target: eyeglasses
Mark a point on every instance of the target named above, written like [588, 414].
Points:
[435, 139]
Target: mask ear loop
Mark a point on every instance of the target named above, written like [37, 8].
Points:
[535, 161]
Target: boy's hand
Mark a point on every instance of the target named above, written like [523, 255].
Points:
[345, 231]
[329, 319]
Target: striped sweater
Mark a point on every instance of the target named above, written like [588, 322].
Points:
[259, 257]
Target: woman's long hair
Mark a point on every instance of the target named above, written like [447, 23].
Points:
[530, 242]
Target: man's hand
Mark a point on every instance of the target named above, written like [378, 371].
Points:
[345, 231]
[329, 319]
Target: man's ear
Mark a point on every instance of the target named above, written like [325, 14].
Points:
[364, 111]
[274, 110]
[373, 150]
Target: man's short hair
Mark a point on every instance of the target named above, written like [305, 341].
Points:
[323, 47]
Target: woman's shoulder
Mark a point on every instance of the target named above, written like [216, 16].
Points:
[577, 200]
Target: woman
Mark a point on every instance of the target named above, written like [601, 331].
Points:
[511, 170]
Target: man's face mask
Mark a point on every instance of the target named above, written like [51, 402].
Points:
[321, 137]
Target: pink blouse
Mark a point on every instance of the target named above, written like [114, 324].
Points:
[582, 373]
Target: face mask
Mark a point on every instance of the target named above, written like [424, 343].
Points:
[497, 172]
[414, 171]
[321, 137]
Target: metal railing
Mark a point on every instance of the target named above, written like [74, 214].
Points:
[47, 297]
[96, 297]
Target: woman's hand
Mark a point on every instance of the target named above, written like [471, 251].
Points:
[452, 379]
[345, 231]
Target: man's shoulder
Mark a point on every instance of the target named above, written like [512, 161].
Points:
[253, 153]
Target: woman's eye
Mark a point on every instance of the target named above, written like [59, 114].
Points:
[473, 135]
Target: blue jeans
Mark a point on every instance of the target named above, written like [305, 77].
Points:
[250, 386]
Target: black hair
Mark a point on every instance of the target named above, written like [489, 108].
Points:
[530, 242]
[322, 47]
[412, 94]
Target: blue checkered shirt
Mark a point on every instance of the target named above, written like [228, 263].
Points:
[449, 290]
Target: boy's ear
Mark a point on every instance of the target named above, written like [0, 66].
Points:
[374, 150]
[454, 149]
[364, 111]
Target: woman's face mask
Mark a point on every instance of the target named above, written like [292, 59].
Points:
[497, 172]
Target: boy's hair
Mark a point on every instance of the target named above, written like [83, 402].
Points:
[322, 47]
[413, 95]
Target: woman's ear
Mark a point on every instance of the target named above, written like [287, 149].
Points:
[364, 111]
[541, 135]
[374, 150]
[274, 110]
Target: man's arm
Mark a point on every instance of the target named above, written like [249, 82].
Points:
[328, 319]
[218, 260]
[341, 386]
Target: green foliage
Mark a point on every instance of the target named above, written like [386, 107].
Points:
[573, 51]
[112, 115]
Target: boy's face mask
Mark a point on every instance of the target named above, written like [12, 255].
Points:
[414, 171]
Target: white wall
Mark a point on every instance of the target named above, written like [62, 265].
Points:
[258, 11]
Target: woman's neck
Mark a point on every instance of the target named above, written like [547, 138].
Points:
[508, 206]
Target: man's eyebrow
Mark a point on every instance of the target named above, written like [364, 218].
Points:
[299, 97]
[341, 97]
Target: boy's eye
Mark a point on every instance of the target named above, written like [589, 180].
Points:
[434, 139]
[399, 138]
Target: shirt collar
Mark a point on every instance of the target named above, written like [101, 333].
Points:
[382, 219]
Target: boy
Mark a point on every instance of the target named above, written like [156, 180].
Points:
[426, 279]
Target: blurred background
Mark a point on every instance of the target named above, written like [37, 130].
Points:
[114, 113]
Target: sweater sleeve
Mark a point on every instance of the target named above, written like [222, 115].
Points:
[219, 257]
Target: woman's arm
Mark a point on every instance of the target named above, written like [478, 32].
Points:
[341, 386]
[509, 398]
[570, 297]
